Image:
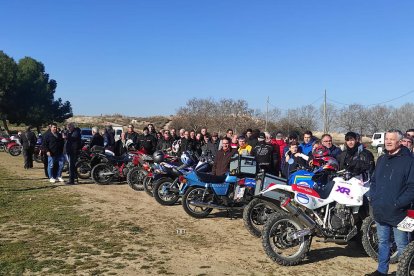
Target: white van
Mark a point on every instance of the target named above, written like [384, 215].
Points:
[118, 132]
[378, 141]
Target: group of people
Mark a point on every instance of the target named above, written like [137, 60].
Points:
[392, 178]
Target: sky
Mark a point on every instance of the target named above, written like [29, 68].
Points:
[145, 58]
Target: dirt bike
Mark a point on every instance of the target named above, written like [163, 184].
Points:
[169, 177]
[142, 166]
[406, 259]
[13, 147]
[112, 167]
[332, 211]
[201, 192]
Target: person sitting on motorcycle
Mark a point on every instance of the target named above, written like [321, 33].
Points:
[97, 139]
[355, 158]
[223, 156]
[299, 159]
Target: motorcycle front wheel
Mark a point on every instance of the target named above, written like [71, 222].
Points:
[162, 193]
[406, 261]
[255, 215]
[370, 240]
[195, 194]
[278, 242]
[135, 178]
[149, 185]
[102, 173]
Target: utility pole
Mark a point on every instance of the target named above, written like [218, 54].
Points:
[267, 112]
[325, 120]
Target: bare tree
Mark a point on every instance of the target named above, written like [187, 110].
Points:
[331, 117]
[380, 118]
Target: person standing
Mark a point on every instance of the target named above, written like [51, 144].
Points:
[391, 195]
[96, 139]
[73, 146]
[53, 145]
[334, 151]
[264, 154]
[28, 141]
[306, 145]
[222, 159]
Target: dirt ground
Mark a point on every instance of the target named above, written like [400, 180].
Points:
[213, 246]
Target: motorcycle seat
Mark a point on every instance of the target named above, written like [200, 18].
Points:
[210, 178]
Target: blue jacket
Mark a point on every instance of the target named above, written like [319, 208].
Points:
[334, 151]
[306, 148]
[392, 187]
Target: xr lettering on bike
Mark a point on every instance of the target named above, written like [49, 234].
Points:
[343, 190]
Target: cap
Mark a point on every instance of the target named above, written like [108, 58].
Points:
[261, 136]
[279, 136]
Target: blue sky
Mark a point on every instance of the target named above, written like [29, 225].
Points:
[149, 57]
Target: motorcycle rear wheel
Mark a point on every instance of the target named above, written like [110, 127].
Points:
[149, 185]
[255, 215]
[276, 242]
[135, 178]
[194, 211]
[97, 172]
[406, 261]
[370, 240]
[162, 194]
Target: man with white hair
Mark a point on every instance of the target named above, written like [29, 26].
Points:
[391, 195]
[97, 139]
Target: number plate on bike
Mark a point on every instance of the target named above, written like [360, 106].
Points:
[407, 225]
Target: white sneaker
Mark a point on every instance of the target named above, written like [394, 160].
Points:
[60, 179]
[52, 180]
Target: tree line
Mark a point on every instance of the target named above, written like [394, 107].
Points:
[220, 115]
[27, 94]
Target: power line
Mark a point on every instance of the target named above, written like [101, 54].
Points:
[384, 102]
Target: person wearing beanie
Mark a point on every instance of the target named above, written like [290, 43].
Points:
[356, 159]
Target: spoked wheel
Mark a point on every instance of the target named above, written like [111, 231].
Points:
[102, 174]
[2, 147]
[255, 215]
[370, 240]
[166, 191]
[406, 261]
[279, 242]
[83, 169]
[195, 194]
[135, 178]
[15, 150]
[148, 185]
[38, 158]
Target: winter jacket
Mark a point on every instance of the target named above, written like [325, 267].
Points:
[334, 151]
[281, 144]
[264, 155]
[28, 139]
[188, 144]
[132, 135]
[298, 162]
[53, 143]
[109, 140]
[73, 141]
[164, 144]
[392, 187]
[213, 148]
[148, 143]
[222, 161]
[245, 150]
[306, 148]
[357, 160]
[96, 140]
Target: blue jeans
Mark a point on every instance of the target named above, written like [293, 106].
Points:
[384, 242]
[51, 161]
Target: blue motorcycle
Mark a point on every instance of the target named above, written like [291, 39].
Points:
[202, 192]
[166, 189]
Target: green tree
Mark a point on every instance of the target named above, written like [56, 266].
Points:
[8, 70]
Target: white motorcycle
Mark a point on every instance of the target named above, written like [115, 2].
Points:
[333, 212]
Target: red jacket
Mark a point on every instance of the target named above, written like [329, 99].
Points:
[278, 143]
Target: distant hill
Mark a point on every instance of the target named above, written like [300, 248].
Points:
[160, 122]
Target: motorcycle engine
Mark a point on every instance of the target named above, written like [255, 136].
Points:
[341, 218]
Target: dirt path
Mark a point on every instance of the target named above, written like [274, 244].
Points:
[213, 246]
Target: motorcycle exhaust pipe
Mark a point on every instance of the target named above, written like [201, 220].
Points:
[297, 212]
[211, 205]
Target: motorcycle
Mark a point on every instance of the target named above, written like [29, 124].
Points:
[168, 177]
[406, 259]
[258, 210]
[14, 147]
[201, 192]
[111, 167]
[332, 211]
[142, 166]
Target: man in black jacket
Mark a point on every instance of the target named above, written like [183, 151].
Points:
[264, 154]
[53, 145]
[355, 158]
[28, 141]
[73, 146]
[391, 195]
[97, 139]
[131, 135]
[147, 141]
